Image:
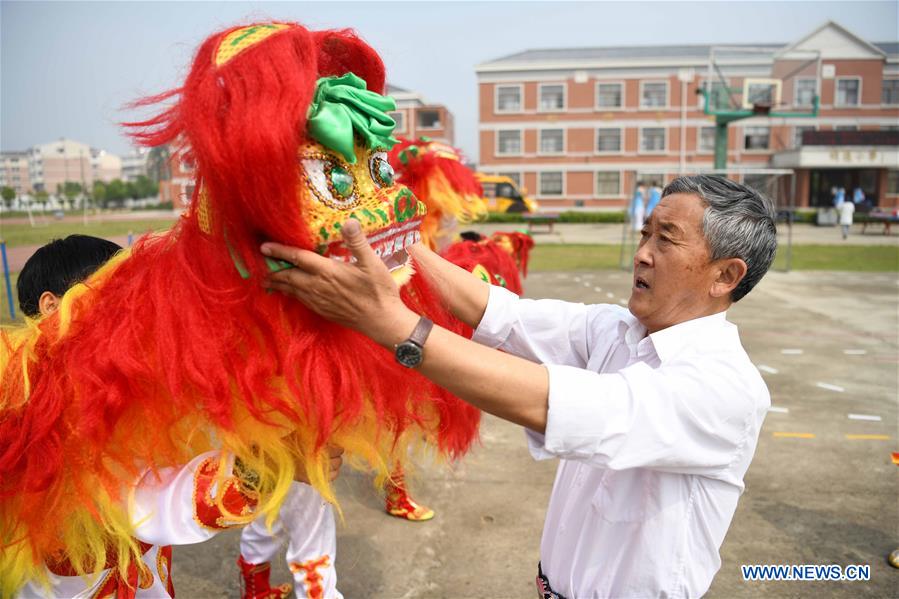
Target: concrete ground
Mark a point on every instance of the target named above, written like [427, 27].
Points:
[821, 490]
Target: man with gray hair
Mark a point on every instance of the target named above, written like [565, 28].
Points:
[654, 410]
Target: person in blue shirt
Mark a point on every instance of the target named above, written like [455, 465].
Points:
[858, 195]
[637, 209]
[655, 196]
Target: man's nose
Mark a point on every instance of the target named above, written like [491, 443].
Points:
[643, 256]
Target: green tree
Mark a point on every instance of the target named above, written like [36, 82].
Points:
[98, 192]
[71, 189]
[145, 187]
[8, 194]
[41, 197]
[116, 191]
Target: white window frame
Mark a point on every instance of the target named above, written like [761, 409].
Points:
[699, 148]
[667, 104]
[496, 87]
[700, 101]
[540, 193]
[796, 90]
[836, 92]
[599, 152]
[540, 87]
[604, 196]
[540, 131]
[619, 82]
[402, 114]
[743, 135]
[640, 149]
[881, 94]
[496, 143]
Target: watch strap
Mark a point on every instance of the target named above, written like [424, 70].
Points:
[421, 331]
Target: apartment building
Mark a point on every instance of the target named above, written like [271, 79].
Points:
[14, 172]
[578, 127]
[416, 118]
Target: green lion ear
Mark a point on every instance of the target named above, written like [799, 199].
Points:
[342, 106]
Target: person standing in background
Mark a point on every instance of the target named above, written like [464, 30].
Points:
[847, 209]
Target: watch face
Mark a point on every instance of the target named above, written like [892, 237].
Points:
[408, 354]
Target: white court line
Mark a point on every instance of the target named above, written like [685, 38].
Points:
[610, 295]
[855, 352]
[587, 283]
[577, 279]
[597, 289]
[830, 387]
[864, 417]
[779, 410]
[767, 369]
[622, 301]
[791, 352]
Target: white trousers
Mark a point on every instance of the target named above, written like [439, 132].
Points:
[306, 524]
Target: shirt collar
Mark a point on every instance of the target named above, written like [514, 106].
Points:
[668, 342]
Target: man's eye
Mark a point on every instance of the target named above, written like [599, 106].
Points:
[381, 171]
[331, 183]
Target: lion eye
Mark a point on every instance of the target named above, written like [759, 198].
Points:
[381, 171]
[331, 183]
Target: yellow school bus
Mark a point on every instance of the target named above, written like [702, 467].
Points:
[503, 195]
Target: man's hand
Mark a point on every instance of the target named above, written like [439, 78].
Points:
[335, 461]
[361, 295]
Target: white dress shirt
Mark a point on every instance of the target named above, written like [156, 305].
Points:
[655, 434]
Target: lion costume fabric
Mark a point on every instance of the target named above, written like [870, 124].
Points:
[437, 175]
[174, 347]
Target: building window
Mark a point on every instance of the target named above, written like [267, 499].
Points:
[400, 119]
[508, 143]
[797, 135]
[508, 98]
[652, 139]
[428, 119]
[719, 97]
[516, 178]
[552, 141]
[552, 97]
[608, 140]
[893, 182]
[847, 92]
[654, 95]
[804, 92]
[890, 92]
[756, 138]
[608, 183]
[609, 95]
[551, 183]
[706, 141]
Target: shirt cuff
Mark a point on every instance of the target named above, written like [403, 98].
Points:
[496, 324]
[585, 408]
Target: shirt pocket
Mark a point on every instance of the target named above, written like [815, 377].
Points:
[628, 495]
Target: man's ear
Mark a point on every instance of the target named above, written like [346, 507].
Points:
[48, 303]
[730, 272]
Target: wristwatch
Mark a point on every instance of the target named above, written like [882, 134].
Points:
[411, 352]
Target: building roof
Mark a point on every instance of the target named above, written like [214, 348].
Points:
[699, 51]
[829, 34]
[396, 89]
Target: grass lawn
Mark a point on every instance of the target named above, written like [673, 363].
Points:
[4, 304]
[25, 234]
[858, 258]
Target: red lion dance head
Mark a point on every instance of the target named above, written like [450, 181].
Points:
[174, 347]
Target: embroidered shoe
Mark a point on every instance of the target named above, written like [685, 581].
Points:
[254, 582]
[400, 505]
